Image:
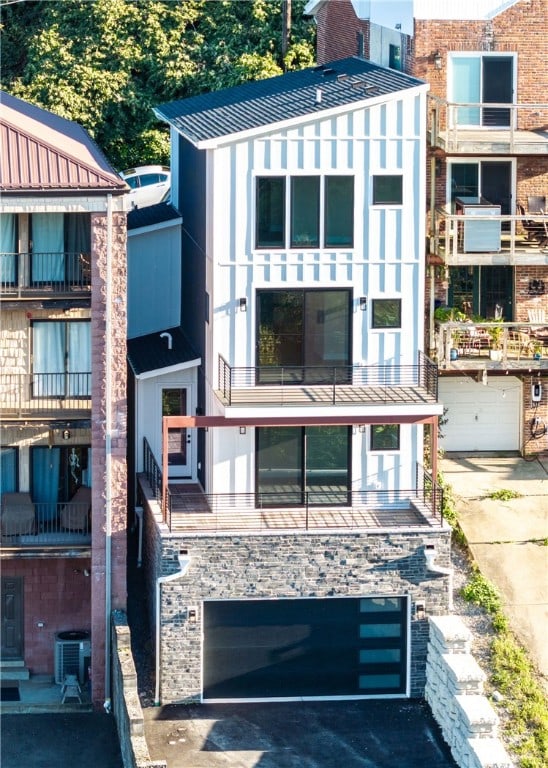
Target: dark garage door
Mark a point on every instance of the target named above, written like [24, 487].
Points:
[267, 649]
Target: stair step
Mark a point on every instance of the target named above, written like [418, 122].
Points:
[14, 673]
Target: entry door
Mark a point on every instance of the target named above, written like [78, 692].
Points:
[174, 403]
[11, 643]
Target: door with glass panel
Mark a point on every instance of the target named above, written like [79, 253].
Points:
[60, 249]
[61, 359]
[303, 466]
[303, 336]
[174, 403]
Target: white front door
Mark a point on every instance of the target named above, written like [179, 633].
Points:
[175, 403]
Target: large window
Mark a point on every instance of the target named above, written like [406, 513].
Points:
[482, 78]
[303, 335]
[320, 210]
[56, 474]
[60, 245]
[303, 465]
[8, 248]
[8, 470]
[61, 358]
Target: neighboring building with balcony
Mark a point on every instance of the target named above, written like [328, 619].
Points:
[288, 521]
[486, 189]
[62, 396]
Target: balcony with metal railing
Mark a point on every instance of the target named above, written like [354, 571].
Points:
[484, 238]
[51, 395]
[43, 526]
[44, 275]
[187, 509]
[488, 128]
[309, 386]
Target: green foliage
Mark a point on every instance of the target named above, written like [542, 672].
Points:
[449, 315]
[504, 494]
[106, 64]
[482, 592]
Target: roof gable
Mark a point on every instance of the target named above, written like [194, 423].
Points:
[42, 151]
[302, 94]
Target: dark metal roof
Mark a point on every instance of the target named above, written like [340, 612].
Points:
[283, 98]
[40, 151]
[151, 214]
[152, 353]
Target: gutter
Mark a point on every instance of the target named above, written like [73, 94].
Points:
[108, 455]
[184, 561]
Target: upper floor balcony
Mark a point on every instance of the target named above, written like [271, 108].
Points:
[480, 235]
[488, 128]
[45, 395]
[328, 386]
[45, 275]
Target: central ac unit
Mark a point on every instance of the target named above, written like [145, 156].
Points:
[72, 655]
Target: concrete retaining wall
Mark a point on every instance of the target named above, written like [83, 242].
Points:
[454, 691]
[126, 705]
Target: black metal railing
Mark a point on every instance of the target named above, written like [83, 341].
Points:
[309, 510]
[36, 393]
[152, 470]
[46, 524]
[341, 380]
[24, 273]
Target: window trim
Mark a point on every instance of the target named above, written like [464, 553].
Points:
[287, 222]
[373, 449]
[375, 327]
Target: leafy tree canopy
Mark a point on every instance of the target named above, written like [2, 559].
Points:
[107, 63]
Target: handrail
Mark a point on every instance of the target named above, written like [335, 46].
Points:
[35, 393]
[44, 272]
[336, 378]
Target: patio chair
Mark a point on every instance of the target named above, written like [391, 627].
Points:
[537, 316]
[536, 204]
[534, 231]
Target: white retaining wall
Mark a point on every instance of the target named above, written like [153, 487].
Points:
[454, 691]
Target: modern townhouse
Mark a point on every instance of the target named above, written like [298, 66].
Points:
[487, 188]
[291, 535]
[62, 398]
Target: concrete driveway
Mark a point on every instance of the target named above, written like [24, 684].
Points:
[353, 734]
[508, 538]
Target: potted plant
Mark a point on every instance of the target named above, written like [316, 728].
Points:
[495, 333]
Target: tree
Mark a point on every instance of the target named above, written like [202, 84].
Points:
[107, 63]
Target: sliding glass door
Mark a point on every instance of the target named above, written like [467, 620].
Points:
[298, 466]
[303, 336]
[478, 80]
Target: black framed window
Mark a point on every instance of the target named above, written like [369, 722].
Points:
[388, 190]
[385, 437]
[270, 212]
[307, 221]
[339, 211]
[303, 465]
[303, 335]
[386, 313]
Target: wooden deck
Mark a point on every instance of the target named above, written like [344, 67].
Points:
[302, 396]
[193, 512]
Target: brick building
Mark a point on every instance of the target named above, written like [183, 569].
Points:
[62, 397]
[487, 157]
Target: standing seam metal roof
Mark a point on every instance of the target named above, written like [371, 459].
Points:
[285, 97]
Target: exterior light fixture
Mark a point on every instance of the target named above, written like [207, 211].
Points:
[66, 434]
[363, 303]
[420, 610]
[243, 304]
[243, 430]
[362, 428]
[437, 60]
[192, 615]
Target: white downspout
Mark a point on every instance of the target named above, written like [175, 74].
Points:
[108, 453]
[184, 562]
[430, 555]
[139, 515]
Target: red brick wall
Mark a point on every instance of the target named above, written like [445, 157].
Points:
[117, 493]
[52, 590]
[337, 32]
[534, 439]
[524, 301]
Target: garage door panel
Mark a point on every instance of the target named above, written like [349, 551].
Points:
[261, 649]
[481, 417]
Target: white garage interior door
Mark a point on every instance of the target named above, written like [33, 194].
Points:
[481, 417]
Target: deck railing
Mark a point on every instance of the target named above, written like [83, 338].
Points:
[23, 394]
[44, 273]
[340, 380]
[497, 341]
[52, 524]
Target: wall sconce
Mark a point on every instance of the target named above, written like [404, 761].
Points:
[363, 303]
[66, 434]
[437, 60]
[243, 430]
[192, 615]
[362, 428]
[420, 610]
[243, 304]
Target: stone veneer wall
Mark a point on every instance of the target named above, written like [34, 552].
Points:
[454, 691]
[348, 564]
